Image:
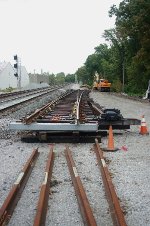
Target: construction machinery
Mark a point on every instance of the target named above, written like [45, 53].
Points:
[103, 85]
[96, 81]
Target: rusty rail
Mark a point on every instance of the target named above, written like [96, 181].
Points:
[43, 110]
[83, 202]
[78, 111]
[12, 199]
[114, 205]
[44, 193]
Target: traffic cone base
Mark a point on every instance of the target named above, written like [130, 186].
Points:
[143, 129]
[144, 132]
[110, 142]
[110, 150]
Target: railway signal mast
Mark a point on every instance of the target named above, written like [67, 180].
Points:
[17, 73]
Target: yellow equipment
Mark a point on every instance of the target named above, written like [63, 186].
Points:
[101, 84]
[96, 80]
[95, 85]
[104, 85]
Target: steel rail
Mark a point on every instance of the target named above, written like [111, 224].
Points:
[83, 202]
[12, 199]
[114, 205]
[42, 110]
[79, 99]
[40, 217]
[3, 95]
[95, 109]
[21, 100]
[25, 94]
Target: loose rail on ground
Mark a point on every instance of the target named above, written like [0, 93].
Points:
[84, 205]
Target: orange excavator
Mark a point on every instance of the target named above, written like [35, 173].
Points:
[104, 85]
[101, 84]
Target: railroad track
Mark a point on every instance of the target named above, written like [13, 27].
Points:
[4, 96]
[72, 112]
[11, 100]
[21, 94]
[81, 183]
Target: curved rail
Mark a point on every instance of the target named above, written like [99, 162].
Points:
[43, 110]
[73, 111]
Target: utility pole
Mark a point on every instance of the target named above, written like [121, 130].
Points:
[123, 76]
[122, 55]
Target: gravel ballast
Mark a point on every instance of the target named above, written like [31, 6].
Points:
[129, 169]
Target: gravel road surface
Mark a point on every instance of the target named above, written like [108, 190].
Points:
[129, 167]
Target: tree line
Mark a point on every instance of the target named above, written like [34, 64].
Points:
[125, 60]
[61, 78]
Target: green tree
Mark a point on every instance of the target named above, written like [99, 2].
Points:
[118, 47]
[83, 76]
[107, 61]
[51, 79]
[92, 64]
[133, 25]
[70, 78]
[60, 78]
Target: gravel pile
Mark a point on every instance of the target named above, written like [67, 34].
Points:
[129, 169]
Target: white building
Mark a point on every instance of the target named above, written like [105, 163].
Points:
[39, 78]
[24, 77]
[7, 78]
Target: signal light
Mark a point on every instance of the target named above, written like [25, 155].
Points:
[16, 74]
[15, 65]
[15, 57]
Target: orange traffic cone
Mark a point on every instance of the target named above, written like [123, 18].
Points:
[110, 141]
[143, 129]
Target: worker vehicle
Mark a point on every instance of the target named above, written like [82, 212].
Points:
[96, 81]
[95, 85]
[104, 85]
[101, 84]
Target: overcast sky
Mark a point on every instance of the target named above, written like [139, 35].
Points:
[53, 35]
